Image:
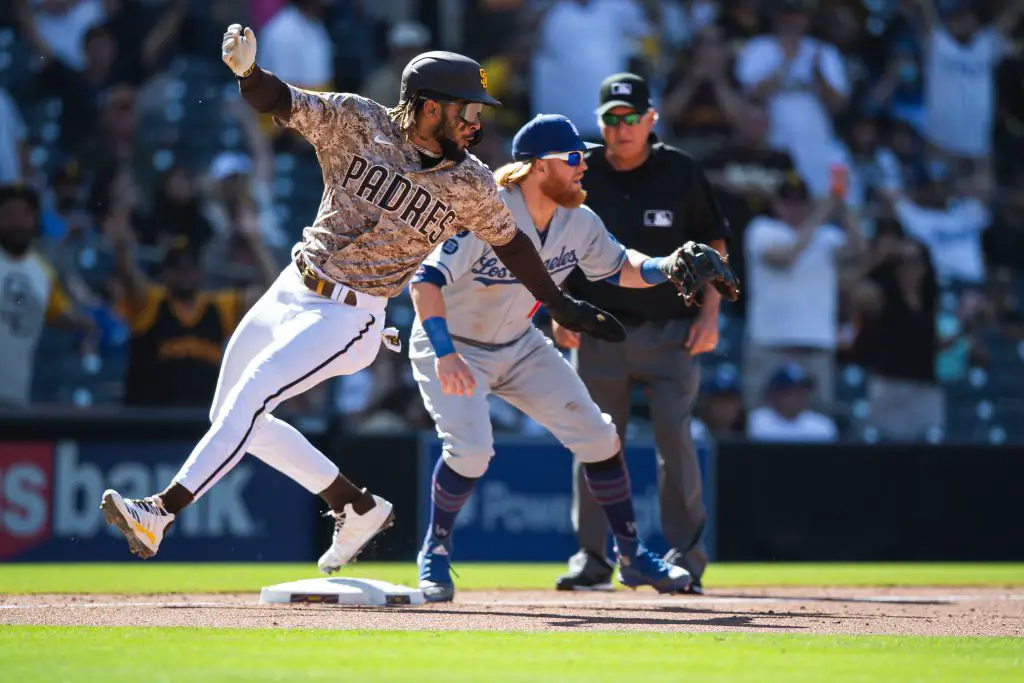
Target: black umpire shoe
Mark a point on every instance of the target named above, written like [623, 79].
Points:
[675, 557]
[587, 572]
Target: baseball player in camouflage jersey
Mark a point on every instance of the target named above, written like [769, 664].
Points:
[474, 335]
[397, 183]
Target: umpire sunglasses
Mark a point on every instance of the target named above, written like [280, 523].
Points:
[630, 119]
[572, 158]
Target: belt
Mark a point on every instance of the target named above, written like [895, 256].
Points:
[486, 346]
[324, 288]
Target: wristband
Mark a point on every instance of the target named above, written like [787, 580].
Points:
[249, 72]
[437, 332]
[651, 273]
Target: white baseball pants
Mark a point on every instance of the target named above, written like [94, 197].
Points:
[291, 340]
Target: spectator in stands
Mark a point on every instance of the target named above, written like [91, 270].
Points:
[566, 73]
[899, 341]
[56, 27]
[900, 91]
[70, 240]
[740, 20]
[703, 105]
[30, 296]
[14, 161]
[961, 58]
[793, 269]
[786, 416]
[406, 39]
[296, 46]
[177, 211]
[720, 407]
[874, 167]
[111, 147]
[804, 82]
[237, 191]
[178, 329]
[81, 92]
[948, 217]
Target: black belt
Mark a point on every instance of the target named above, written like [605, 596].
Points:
[488, 346]
[318, 285]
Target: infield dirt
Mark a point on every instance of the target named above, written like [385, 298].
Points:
[961, 611]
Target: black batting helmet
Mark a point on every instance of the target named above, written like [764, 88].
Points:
[448, 74]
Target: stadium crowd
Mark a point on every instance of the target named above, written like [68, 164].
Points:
[866, 152]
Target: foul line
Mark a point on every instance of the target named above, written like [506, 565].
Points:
[589, 603]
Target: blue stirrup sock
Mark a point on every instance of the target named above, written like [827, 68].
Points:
[449, 493]
[609, 482]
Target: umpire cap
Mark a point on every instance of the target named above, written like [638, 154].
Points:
[446, 73]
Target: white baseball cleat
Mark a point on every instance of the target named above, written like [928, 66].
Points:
[353, 531]
[143, 521]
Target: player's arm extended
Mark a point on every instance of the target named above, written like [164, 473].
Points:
[640, 270]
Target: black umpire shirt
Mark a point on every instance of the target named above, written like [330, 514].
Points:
[653, 209]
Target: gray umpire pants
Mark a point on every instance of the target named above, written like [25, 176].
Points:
[653, 354]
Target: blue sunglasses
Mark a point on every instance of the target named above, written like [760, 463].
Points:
[571, 158]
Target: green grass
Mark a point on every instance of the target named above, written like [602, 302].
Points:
[72, 655]
[156, 577]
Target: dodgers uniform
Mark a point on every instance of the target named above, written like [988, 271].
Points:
[490, 319]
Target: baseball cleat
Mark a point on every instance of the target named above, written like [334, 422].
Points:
[647, 569]
[677, 558]
[143, 521]
[352, 532]
[434, 562]
[587, 572]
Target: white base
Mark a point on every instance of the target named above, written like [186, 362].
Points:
[342, 591]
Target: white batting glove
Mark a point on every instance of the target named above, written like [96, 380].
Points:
[238, 50]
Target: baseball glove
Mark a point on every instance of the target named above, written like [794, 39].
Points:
[694, 266]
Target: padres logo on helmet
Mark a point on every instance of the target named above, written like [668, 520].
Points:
[483, 79]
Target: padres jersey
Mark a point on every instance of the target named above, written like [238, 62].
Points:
[381, 211]
[30, 296]
[175, 351]
[486, 303]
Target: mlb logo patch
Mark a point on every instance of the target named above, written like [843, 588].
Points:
[450, 246]
[621, 89]
[658, 218]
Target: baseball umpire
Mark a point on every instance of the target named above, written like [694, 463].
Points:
[397, 183]
[652, 197]
[474, 336]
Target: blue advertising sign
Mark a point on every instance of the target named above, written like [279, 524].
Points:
[49, 507]
[521, 508]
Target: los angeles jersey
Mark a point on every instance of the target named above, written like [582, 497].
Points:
[486, 303]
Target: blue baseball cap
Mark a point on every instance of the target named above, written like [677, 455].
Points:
[724, 380]
[545, 134]
[789, 376]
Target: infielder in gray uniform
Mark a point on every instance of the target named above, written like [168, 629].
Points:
[474, 335]
[397, 183]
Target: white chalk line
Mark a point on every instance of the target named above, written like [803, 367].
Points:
[663, 601]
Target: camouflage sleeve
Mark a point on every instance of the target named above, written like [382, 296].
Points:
[492, 221]
[318, 116]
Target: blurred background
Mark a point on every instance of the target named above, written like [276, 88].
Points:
[139, 179]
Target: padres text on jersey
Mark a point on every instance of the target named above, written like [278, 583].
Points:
[381, 211]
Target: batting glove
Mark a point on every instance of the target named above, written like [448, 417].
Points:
[238, 50]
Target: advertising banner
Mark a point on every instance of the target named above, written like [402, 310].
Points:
[50, 495]
[521, 508]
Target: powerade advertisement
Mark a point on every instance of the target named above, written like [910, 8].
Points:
[50, 495]
[521, 508]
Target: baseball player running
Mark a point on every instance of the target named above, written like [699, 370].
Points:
[397, 183]
[474, 335]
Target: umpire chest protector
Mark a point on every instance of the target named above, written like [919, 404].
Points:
[654, 209]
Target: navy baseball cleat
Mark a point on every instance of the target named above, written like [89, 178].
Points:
[647, 569]
[435, 566]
